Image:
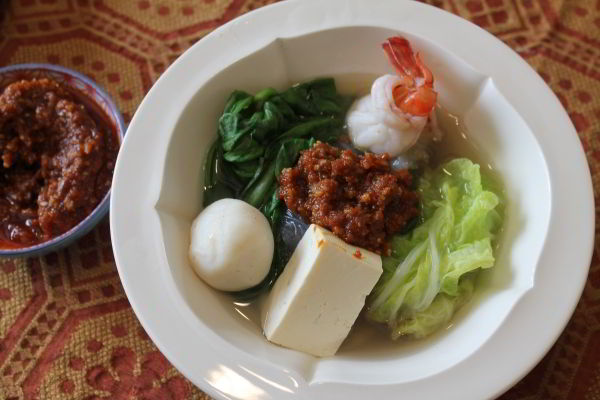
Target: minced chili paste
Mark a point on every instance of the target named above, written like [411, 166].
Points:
[358, 197]
[56, 165]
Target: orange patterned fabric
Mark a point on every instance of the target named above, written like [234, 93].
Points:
[66, 328]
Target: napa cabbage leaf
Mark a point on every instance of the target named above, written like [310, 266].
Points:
[431, 271]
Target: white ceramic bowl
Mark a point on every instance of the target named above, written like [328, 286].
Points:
[521, 305]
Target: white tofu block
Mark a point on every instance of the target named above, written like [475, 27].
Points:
[320, 293]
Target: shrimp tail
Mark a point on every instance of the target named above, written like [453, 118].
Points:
[416, 95]
[401, 56]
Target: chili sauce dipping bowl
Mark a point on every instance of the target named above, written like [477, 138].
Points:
[92, 96]
[519, 307]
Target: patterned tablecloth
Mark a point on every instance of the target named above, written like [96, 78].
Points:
[67, 330]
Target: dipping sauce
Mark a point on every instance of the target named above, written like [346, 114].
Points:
[57, 161]
[357, 197]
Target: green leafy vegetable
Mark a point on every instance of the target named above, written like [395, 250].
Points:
[259, 190]
[218, 184]
[260, 135]
[250, 123]
[430, 272]
[254, 130]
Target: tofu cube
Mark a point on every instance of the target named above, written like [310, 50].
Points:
[320, 293]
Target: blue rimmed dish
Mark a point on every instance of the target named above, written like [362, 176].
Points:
[89, 93]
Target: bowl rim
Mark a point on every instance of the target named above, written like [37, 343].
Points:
[88, 223]
[165, 325]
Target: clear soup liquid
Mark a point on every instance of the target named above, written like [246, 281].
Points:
[456, 142]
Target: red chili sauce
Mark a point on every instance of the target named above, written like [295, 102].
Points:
[358, 197]
[57, 157]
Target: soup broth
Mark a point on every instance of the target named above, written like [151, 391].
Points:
[455, 142]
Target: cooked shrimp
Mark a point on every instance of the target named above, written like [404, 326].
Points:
[391, 118]
[415, 95]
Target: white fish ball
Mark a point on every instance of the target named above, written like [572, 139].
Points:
[231, 245]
